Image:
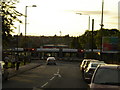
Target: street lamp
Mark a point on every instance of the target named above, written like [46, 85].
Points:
[26, 17]
[88, 19]
[26, 27]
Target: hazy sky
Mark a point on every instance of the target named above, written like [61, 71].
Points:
[52, 16]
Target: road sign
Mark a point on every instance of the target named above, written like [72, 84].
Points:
[110, 44]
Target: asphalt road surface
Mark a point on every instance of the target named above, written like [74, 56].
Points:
[63, 75]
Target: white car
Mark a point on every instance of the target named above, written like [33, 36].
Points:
[106, 77]
[51, 60]
[85, 63]
[90, 70]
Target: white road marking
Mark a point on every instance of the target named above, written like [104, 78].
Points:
[44, 84]
[52, 78]
[58, 73]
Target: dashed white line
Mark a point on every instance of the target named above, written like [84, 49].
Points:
[44, 84]
[52, 78]
[58, 71]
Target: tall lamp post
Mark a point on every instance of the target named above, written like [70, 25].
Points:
[91, 56]
[26, 27]
[26, 17]
[88, 19]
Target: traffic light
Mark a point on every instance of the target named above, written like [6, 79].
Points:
[29, 49]
[80, 50]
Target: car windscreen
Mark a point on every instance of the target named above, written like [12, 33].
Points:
[107, 76]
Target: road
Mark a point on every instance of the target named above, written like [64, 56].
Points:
[63, 75]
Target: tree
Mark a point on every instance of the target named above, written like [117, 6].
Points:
[67, 35]
[9, 16]
[86, 40]
[75, 43]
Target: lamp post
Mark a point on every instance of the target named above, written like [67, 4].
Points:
[26, 17]
[26, 28]
[88, 19]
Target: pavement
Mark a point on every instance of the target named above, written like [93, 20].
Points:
[32, 65]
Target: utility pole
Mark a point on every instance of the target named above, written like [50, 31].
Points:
[92, 34]
[25, 20]
[89, 23]
[102, 15]
[101, 29]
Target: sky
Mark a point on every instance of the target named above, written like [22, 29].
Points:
[58, 17]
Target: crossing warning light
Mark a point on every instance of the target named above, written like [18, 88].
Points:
[33, 49]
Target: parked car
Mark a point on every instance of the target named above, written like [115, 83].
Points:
[51, 60]
[90, 70]
[106, 77]
[87, 63]
[3, 71]
[83, 62]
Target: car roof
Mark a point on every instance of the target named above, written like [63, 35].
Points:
[110, 66]
[51, 57]
[98, 62]
[90, 60]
